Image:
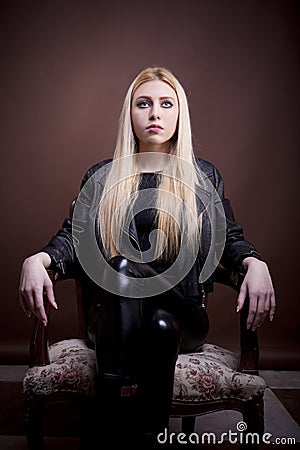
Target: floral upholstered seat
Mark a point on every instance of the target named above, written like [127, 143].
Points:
[213, 375]
[72, 368]
[208, 375]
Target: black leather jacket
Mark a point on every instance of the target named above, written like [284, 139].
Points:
[64, 260]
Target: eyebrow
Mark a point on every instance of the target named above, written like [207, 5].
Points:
[164, 97]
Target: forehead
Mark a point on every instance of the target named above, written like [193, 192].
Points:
[155, 88]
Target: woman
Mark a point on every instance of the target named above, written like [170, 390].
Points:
[148, 230]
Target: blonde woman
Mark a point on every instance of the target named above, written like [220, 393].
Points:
[149, 227]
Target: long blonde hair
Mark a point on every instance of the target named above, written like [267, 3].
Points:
[179, 179]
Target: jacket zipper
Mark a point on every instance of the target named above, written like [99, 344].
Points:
[203, 297]
[203, 293]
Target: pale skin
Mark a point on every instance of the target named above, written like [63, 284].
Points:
[154, 116]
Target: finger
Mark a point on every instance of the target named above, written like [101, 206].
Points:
[26, 300]
[39, 306]
[23, 301]
[50, 295]
[273, 307]
[252, 310]
[241, 297]
[266, 311]
[260, 310]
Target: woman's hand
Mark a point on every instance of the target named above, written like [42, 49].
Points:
[34, 283]
[258, 286]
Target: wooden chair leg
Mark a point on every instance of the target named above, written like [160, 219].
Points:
[188, 424]
[89, 425]
[34, 412]
[254, 416]
[254, 419]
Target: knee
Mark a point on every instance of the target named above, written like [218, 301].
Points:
[164, 330]
[122, 278]
[120, 264]
[131, 268]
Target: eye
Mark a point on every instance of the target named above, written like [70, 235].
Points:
[167, 104]
[143, 104]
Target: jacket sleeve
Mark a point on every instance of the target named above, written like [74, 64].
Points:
[61, 248]
[237, 248]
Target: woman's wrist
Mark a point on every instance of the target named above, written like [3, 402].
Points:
[251, 260]
[41, 257]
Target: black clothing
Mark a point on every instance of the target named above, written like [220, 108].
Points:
[137, 339]
[145, 220]
[64, 260]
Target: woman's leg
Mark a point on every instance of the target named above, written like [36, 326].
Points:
[117, 347]
[169, 326]
[155, 374]
[138, 342]
[117, 336]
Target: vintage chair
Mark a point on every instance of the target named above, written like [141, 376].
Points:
[211, 380]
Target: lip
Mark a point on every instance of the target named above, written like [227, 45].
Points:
[154, 127]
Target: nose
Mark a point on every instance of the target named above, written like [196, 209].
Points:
[154, 112]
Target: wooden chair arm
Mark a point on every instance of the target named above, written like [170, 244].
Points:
[249, 346]
[38, 349]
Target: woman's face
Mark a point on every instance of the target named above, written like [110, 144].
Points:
[154, 115]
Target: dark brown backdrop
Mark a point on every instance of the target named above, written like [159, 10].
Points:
[65, 67]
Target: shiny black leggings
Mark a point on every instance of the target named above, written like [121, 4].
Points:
[138, 341]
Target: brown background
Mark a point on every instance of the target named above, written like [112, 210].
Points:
[65, 67]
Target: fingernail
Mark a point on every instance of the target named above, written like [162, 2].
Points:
[237, 309]
[44, 323]
[55, 306]
[271, 318]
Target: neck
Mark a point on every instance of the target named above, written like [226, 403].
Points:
[152, 161]
[146, 147]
